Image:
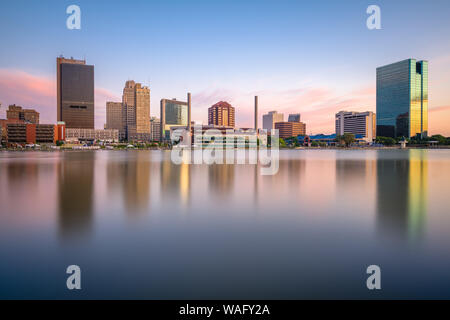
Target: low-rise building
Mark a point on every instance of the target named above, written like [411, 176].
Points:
[290, 129]
[358, 123]
[80, 134]
[27, 133]
[26, 115]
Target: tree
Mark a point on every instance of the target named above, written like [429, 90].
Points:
[386, 141]
[440, 138]
[348, 138]
[282, 143]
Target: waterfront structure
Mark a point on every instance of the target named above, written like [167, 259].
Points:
[75, 93]
[174, 114]
[357, 123]
[78, 134]
[290, 129]
[270, 119]
[136, 111]
[27, 133]
[402, 99]
[294, 117]
[155, 128]
[221, 114]
[26, 115]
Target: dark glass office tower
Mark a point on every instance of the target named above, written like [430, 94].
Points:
[402, 99]
[75, 93]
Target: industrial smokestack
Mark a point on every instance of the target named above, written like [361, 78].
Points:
[256, 113]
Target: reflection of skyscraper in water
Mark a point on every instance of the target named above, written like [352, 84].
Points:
[418, 191]
[76, 193]
[175, 181]
[221, 179]
[133, 177]
[402, 194]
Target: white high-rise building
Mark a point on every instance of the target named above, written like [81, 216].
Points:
[358, 123]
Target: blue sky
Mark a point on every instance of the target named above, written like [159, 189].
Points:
[304, 56]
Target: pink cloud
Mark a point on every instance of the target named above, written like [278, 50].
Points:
[39, 93]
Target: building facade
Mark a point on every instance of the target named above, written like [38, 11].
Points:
[221, 114]
[290, 129]
[114, 118]
[270, 119]
[78, 134]
[27, 133]
[155, 128]
[294, 117]
[174, 113]
[136, 111]
[26, 115]
[402, 99]
[142, 109]
[358, 123]
[75, 93]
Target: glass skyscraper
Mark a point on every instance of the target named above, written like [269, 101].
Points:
[174, 113]
[402, 99]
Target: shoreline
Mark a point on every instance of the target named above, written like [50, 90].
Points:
[169, 149]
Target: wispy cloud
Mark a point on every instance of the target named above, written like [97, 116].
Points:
[39, 92]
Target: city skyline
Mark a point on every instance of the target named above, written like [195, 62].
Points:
[300, 78]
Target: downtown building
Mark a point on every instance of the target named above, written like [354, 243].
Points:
[221, 114]
[270, 119]
[155, 129]
[291, 128]
[75, 93]
[402, 99]
[28, 133]
[22, 115]
[136, 112]
[174, 114]
[361, 124]
[114, 118]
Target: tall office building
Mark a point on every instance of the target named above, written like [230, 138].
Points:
[174, 113]
[75, 93]
[136, 111]
[359, 123]
[270, 119]
[114, 116]
[221, 114]
[142, 109]
[402, 99]
[294, 117]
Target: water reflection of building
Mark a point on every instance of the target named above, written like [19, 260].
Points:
[175, 181]
[221, 179]
[402, 194]
[76, 193]
[132, 177]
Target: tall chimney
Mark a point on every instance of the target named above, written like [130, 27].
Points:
[189, 111]
[256, 113]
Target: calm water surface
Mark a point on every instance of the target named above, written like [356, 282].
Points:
[142, 227]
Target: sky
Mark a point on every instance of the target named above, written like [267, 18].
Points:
[312, 57]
